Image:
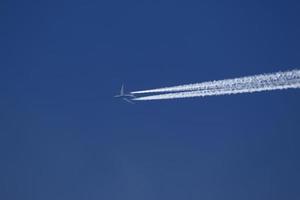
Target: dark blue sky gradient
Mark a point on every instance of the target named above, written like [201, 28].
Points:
[63, 136]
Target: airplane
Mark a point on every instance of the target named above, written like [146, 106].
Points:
[125, 97]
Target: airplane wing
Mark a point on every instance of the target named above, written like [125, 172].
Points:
[122, 89]
[128, 101]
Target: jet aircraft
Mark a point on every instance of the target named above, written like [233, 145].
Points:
[125, 97]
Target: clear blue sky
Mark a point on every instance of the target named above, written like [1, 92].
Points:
[63, 136]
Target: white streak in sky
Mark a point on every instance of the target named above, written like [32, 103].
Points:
[274, 77]
[258, 83]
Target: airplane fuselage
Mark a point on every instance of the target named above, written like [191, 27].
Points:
[125, 95]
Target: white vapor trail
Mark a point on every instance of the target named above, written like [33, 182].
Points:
[279, 76]
[249, 84]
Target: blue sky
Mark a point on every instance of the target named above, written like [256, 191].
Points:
[63, 136]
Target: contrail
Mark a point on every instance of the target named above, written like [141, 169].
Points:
[249, 84]
[279, 76]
